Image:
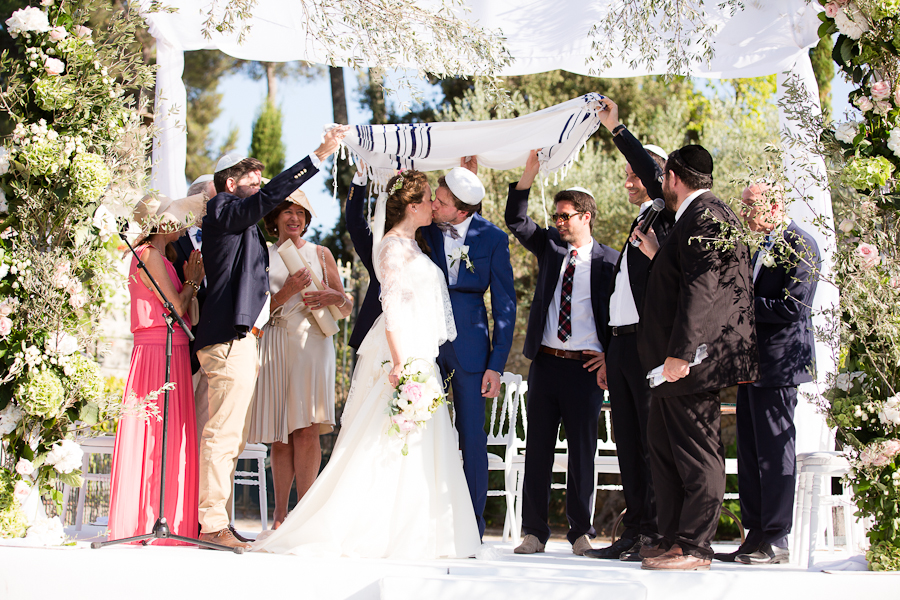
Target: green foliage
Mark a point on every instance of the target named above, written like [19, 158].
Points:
[266, 143]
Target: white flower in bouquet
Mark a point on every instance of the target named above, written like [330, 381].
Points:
[844, 381]
[4, 160]
[74, 286]
[83, 32]
[46, 531]
[76, 301]
[768, 260]
[58, 33]
[847, 225]
[894, 141]
[890, 411]
[54, 66]
[61, 343]
[4, 205]
[26, 20]
[65, 456]
[9, 418]
[24, 467]
[7, 306]
[845, 132]
[461, 254]
[415, 398]
[21, 491]
[851, 21]
[90, 174]
[105, 222]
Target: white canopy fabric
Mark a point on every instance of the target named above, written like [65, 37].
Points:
[765, 37]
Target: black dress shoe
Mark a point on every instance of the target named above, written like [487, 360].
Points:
[611, 552]
[633, 554]
[746, 548]
[238, 536]
[766, 555]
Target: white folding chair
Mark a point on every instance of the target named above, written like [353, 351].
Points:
[502, 433]
[104, 444]
[258, 453]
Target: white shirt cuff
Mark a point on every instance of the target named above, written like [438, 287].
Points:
[315, 159]
[360, 178]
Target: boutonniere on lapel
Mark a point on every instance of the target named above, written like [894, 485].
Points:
[462, 254]
[768, 260]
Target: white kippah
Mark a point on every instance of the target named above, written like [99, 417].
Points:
[580, 189]
[465, 185]
[202, 179]
[657, 151]
[228, 161]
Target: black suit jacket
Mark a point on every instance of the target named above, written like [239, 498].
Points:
[783, 300]
[183, 248]
[361, 236]
[551, 251]
[236, 258]
[697, 294]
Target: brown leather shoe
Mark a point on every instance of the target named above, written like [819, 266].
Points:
[529, 545]
[239, 537]
[224, 537]
[581, 545]
[651, 551]
[676, 560]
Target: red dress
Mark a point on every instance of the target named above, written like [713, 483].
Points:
[137, 460]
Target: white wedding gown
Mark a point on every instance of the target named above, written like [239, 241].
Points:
[370, 500]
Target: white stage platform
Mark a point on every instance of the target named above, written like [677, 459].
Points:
[184, 572]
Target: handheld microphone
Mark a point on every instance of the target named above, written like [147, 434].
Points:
[651, 215]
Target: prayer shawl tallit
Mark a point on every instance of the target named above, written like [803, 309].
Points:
[558, 131]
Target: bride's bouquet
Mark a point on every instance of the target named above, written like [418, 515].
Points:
[418, 394]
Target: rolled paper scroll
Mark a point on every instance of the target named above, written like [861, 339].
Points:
[294, 262]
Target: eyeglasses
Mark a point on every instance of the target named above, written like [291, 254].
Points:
[564, 217]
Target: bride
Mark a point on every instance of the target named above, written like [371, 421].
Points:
[371, 500]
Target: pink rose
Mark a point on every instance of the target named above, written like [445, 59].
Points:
[897, 96]
[58, 33]
[868, 255]
[881, 90]
[864, 104]
[6, 309]
[54, 66]
[414, 393]
[831, 9]
[21, 490]
[5, 326]
[77, 301]
[82, 31]
[892, 447]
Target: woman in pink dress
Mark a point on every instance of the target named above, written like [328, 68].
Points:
[137, 459]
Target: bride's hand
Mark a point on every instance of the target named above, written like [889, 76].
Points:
[394, 375]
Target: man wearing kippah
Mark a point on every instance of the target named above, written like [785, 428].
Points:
[237, 306]
[699, 297]
[629, 390]
[473, 253]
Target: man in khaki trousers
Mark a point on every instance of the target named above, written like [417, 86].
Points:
[237, 306]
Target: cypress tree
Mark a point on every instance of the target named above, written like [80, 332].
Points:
[265, 143]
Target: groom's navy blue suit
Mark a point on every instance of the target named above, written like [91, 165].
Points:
[474, 351]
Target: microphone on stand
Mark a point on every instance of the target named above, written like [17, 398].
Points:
[652, 213]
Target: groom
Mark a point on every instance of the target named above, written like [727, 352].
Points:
[473, 253]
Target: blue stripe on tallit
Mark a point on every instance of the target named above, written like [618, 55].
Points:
[563, 132]
[428, 133]
[412, 135]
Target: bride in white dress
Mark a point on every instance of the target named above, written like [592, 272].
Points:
[370, 500]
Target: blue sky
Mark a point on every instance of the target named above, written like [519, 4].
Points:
[306, 106]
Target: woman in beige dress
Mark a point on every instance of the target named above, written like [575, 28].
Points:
[295, 389]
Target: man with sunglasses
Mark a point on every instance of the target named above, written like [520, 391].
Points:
[568, 371]
[236, 308]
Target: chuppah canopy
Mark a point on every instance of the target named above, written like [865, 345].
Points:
[761, 38]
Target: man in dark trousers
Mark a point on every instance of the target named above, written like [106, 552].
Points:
[699, 295]
[629, 390]
[785, 273]
[237, 306]
[568, 374]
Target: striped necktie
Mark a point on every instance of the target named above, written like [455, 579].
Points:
[564, 331]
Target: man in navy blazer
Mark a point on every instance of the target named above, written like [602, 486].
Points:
[475, 358]
[785, 272]
[361, 237]
[565, 326]
[237, 306]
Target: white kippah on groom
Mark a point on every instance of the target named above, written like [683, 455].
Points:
[465, 185]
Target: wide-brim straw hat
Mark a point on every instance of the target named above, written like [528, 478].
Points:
[156, 211]
[299, 198]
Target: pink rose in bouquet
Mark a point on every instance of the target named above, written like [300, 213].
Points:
[54, 66]
[831, 9]
[868, 255]
[881, 90]
[414, 393]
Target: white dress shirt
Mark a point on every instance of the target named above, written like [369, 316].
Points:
[450, 245]
[584, 328]
[622, 307]
[687, 202]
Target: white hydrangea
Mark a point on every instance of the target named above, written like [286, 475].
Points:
[27, 19]
[890, 411]
[851, 21]
[65, 456]
[46, 531]
[105, 222]
[61, 343]
[9, 418]
[4, 160]
[844, 381]
[845, 132]
[894, 141]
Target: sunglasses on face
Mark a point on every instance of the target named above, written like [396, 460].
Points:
[564, 217]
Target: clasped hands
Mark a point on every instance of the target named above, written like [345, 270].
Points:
[298, 282]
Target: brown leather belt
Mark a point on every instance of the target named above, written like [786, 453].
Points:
[624, 329]
[577, 355]
[257, 332]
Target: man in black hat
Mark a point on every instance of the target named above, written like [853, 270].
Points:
[699, 297]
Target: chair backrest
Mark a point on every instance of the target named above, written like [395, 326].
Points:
[605, 437]
[504, 410]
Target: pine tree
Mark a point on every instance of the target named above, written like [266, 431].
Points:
[265, 143]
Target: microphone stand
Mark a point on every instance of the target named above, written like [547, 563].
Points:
[161, 527]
